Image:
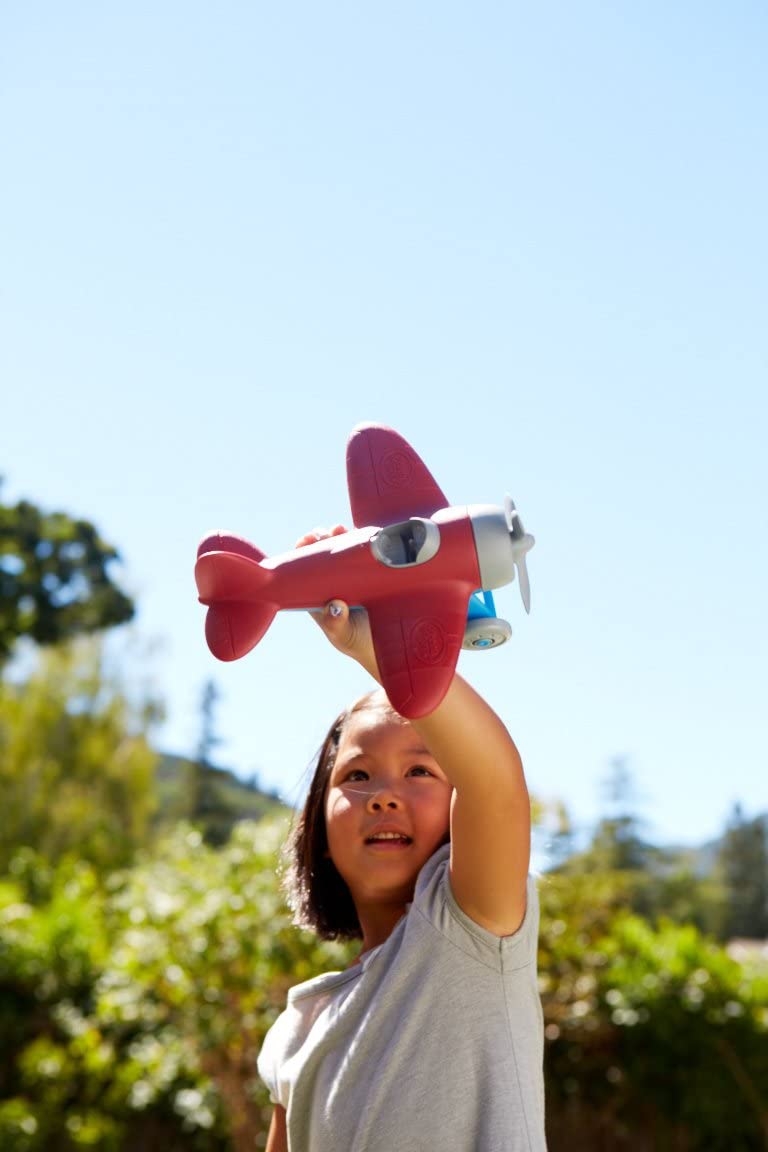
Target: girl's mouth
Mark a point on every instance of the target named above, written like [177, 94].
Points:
[388, 841]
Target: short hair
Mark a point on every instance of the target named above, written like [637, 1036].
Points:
[317, 895]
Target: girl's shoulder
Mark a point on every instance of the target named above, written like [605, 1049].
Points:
[434, 901]
[327, 983]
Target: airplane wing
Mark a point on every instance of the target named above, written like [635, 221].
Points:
[417, 640]
[387, 480]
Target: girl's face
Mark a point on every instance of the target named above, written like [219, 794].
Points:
[387, 807]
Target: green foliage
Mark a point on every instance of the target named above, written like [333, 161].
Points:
[54, 579]
[132, 1008]
[693, 1032]
[670, 889]
[213, 799]
[650, 1030]
[136, 1008]
[52, 948]
[76, 766]
[655, 882]
[743, 863]
[210, 952]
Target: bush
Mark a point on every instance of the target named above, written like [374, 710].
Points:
[657, 1039]
[132, 1008]
[136, 1008]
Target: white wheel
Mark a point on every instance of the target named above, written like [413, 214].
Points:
[485, 632]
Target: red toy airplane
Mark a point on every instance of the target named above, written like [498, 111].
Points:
[412, 561]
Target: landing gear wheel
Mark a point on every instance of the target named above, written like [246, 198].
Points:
[485, 632]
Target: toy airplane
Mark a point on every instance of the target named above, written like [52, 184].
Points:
[413, 561]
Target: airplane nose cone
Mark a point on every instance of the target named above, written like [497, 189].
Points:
[495, 557]
[502, 545]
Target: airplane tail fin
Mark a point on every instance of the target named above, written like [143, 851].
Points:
[227, 542]
[232, 582]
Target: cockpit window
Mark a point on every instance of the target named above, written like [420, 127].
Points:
[412, 542]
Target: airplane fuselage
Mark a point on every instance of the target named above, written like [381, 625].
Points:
[350, 566]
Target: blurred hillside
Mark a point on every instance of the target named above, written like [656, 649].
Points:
[215, 798]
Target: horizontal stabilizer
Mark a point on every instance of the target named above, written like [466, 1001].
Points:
[230, 576]
[232, 630]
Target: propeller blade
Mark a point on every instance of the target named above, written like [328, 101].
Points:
[514, 523]
[522, 542]
[525, 584]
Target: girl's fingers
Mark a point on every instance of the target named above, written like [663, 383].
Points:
[332, 616]
[339, 625]
[319, 534]
[336, 617]
[349, 630]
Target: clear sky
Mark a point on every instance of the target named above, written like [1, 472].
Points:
[532, 238]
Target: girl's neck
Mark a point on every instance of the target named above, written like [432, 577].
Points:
[377, 922]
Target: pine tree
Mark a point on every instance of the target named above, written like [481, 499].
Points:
[743, 862]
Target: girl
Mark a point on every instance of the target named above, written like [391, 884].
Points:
[415, 838]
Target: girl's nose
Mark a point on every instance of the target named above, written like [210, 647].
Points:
[383, 799]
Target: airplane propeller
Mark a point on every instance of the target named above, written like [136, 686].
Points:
[522, 542]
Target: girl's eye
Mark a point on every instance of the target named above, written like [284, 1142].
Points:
[420, 770]
[356, 774]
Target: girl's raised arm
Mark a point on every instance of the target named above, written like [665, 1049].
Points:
[490, 814]
[491, 811]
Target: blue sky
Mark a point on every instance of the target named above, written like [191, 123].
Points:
[532, 239]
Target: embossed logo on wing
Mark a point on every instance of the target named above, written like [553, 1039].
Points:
[428, 641]
[397, 469]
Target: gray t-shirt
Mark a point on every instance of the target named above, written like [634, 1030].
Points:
[432, 1043]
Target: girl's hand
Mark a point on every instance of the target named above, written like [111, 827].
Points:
[347, 629]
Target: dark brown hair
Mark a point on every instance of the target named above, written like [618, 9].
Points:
[318, 896]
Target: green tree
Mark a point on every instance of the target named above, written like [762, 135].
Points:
[617, 843]
[743, 863]
[209, 737]
[209, 798]
[207, 806]
[655, 882]
[76, 766]
[54, 578]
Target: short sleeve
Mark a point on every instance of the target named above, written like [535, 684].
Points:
[269, 1060]
[434, 899]
[276, 1064]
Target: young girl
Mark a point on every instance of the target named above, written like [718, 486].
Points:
[415, 838]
